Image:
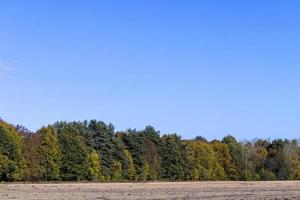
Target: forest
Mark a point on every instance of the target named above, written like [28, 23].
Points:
[94, 151]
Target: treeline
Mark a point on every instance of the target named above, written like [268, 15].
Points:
[93, 151]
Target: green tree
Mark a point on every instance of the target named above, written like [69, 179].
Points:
[130, 168]
[104, 137]
[12, 164]
[146, 172]
[117, 171]
[225, 160]
[51, 154]
[135, 144]
[291, 155]
[74, 160]
[236, 152]
[94, 166]
[254, 158]
[283, 159]
[204, 164]
[172, 152]
[7, 169]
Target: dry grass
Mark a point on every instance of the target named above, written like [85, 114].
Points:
[152, 190]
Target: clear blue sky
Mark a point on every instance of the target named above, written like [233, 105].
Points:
[207, 68]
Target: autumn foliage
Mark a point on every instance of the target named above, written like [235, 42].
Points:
[93, 151]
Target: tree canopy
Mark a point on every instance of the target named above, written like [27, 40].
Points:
[93, 151]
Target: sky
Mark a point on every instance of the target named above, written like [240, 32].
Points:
[208, 67]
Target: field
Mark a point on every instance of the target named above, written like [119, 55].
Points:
[152, 190]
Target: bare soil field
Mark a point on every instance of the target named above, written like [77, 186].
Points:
[152, 190]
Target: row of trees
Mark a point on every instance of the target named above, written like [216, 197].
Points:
[93, 151]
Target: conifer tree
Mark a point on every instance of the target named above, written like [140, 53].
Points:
[172, 153]
[74, 159]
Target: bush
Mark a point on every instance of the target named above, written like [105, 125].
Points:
[267, 175]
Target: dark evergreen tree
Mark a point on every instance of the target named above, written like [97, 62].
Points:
[105, 142]
[134, 142]
[172, 153]
[74, 160]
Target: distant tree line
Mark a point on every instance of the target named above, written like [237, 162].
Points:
[93, 151]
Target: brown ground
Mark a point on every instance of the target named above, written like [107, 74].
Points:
[153, 190]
